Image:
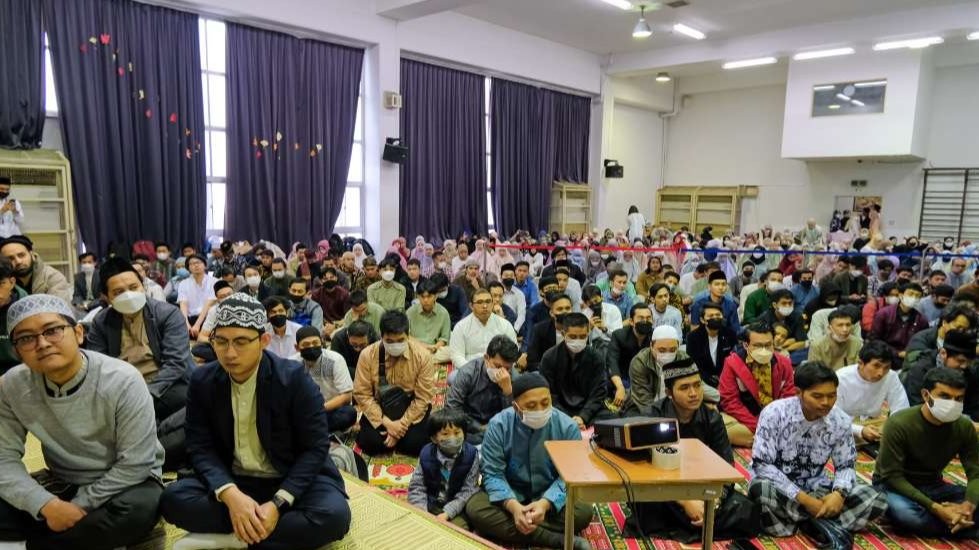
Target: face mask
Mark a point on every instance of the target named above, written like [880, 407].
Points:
[747, 275]
[450, 446]
[856, 273]
[278, 321]
[297, 299]
[508, 283]
[616, 291]
[665, 358]
[832, 303]
[892, 300]
[644, 328]
[945, 410]
[775, 286]
[762, 356]
[576, 346]
[311, 354]
[785, 311]
[806, 284]
[4, 195]
[183, 273]
[909, 301]
[88, 268]
[396, 349]
[388, 276]
[715, 324]
[253, 280]
[443, 294]
[536, 420]
[494, 374]
[278, 274]
[839, 339]
[129, 302]
[163, 256]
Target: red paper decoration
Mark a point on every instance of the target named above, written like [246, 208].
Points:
[104, 38]
[148, 113]
[120, 71]
[173, 118]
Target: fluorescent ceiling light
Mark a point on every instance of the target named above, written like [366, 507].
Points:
[750, 63]
[834, 106]
[802, 56]
[663, 77]
[973, 36]
[824, 88]
[621, 4]
[857, 102]
[915, 43]
[843, 97]
[689, 31]
[870, 84]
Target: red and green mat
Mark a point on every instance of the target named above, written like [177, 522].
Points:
[392, 473]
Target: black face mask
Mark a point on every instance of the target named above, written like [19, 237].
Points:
[311, 354]
[644, 328]
[278, 321]
[4, 195]
[508, 282]
[806, 284]
[329, 285]
[715, 324]
[296, 299]
[748, 274]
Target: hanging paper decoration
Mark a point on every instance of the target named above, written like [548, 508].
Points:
[319, 146]
[104, 38]
[295, 146]
[114, 57]
[142, 95]
[173, 118]
[148, 113]
[186, 131]
[120, 71]
[275, 146]
[312, 152]
[264, 143]
[83, 48]
[254, 142]
[258, 154]
[278, 136]
[130, 64]
[187, 153]
[92, 40]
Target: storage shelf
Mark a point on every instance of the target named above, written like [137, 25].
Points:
[570, 207]
[698, 207]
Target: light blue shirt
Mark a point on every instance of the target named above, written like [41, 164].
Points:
[516, 465]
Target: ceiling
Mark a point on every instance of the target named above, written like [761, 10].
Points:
[601, 28]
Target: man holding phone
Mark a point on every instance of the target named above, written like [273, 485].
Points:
[11, 213]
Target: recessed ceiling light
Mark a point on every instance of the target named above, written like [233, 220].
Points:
[857, 102]
[973, 36]
[915, 43]
[642, 29]
[802, 56]
[870, 84]
[621, 4]
[663, 77]
[689, 31]
[750, 63]
[834, 106]
[843, 97]
[824, 88]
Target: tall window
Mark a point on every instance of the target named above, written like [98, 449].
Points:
[214, 77]
[489, 157]
[50, 98]
[351, 220]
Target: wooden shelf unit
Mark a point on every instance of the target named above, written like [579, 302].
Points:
[570, 207]
[699, 206]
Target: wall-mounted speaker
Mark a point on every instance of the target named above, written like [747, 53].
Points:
[613, 169]
[394, 151]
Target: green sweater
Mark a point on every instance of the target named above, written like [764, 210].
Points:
[913, 453]
[756, 304]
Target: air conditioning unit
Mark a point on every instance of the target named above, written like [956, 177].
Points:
[392, 100]
[41, 181]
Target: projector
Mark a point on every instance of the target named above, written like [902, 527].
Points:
[636, 433]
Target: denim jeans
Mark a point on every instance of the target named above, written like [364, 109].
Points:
[911, 516]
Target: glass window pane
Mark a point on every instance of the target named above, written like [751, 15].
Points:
[350, 210]
[215, 206]
[489, 171]
[216, 100]
[50, 97]
[217, 154]
[489, 209]
[356, 172]
[359, 126]
[202, 38]
[215, 46]
[207, 115]
[489, 85]
[489, 137]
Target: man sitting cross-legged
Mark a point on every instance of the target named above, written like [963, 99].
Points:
[483, 387]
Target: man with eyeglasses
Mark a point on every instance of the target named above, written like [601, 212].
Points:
[94, 417]
[471, 336]
[258, 438]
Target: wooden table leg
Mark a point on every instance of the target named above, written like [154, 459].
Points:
[569, 519]
[709, 523]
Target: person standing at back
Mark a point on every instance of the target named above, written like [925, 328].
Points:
[636, 222]
[11, 213]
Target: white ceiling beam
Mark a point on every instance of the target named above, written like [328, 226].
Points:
[861, 32]
[403, 10]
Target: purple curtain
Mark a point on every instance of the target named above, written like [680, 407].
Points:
[443, 182]
[538, 136]
[22, 67]
[128, 78]
[292, 106]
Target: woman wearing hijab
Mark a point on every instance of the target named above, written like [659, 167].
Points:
[322, 250]
[460, 259]
[359, 256]
[427, 260]
[594, 267]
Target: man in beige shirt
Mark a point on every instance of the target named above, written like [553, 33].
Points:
[394, 388]
[839, 347]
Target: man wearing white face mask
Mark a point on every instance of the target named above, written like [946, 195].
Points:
[576, 372]
[394, 388]
[86, 292]
[918, 444]
[646, 370]
[483, 387]
[896, 324]
[523, 498]
[783, 311]
[387, 292]
[149, 334]
[760, 301]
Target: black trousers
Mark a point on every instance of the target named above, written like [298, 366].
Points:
[170, 417]
[371, 440]
[317, 517]
[125, 519]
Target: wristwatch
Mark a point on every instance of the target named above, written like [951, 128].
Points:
[280, 503]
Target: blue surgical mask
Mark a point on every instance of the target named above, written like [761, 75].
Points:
[183, 273]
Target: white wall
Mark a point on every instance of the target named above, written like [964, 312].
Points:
[636, 142]
[954, 129]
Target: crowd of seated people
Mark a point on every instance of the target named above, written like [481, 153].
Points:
[235, 362]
